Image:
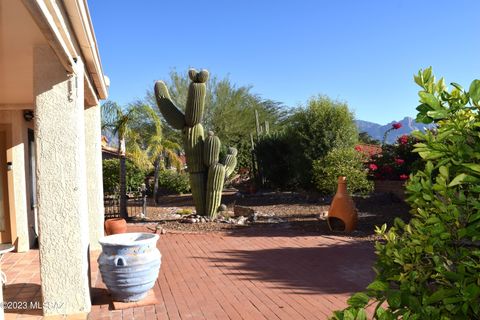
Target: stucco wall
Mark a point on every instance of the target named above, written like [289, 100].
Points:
[61, 185]
[96, 212]
[17, 178]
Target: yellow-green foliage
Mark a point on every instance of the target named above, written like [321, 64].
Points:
[341, 162]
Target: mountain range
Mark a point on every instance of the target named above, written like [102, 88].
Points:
[377, 131]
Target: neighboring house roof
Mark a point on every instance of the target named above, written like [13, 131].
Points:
[104, 141]
[368, 149]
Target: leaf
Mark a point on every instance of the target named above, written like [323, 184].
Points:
[427, 73]
[421, 118]
[457, 86]
[424, 108]
[394, 299]
[440, 295]
[429, 99]
[462, 178]
[472, 166]
[430, 155]
[378, 285]
[444, 171]
[338, 315]
[361, 315]
[359, 299]
[474, 91]
[438, 114]
[348, 315]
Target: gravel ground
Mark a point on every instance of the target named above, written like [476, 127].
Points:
[282, 213]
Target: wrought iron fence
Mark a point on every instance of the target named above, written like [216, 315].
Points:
[135, 203]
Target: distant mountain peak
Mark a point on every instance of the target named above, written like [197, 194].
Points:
[377, 131]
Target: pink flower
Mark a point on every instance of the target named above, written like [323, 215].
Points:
[399, 161]
[373, 167]
[358, 148]
[403, 177]
[403, 139]
[397, 125]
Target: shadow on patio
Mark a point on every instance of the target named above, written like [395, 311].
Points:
[336, 268]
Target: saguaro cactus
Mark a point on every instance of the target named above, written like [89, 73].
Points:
[207, 175]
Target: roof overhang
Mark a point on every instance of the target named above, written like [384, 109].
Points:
[69, 31]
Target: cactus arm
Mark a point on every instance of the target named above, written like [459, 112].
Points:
[169, 110]
[230, 161]
[211, 150]
[195, 103]
[193, 143]
[196, 97]
[215, 180]
[230, 164]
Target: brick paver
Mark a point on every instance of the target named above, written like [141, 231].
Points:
[241, 275]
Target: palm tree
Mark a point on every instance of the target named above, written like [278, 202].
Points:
[139, 131]
[121, 122]
[156, 148]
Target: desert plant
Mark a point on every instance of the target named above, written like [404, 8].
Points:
[315, 130]
[134, 176]
[428, 268]
[228, 112]
[341, 162]
[173, 182]
[207, 174]
[273, 154]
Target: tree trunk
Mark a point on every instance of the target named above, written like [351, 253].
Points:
[155, 177]
[123, 180]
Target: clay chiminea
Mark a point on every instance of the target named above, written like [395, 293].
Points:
[342, 215]
[115, 226]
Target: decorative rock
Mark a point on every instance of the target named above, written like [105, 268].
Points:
[242, 211]
[275, 220]
[241, 220]
[222, 208]
[253, 217]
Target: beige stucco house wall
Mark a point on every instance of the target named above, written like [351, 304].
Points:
[51, 81]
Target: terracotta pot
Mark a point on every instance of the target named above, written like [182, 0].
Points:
[342, 215]
[115, 226]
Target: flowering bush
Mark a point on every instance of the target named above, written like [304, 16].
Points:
[429, 268]
[396, 161]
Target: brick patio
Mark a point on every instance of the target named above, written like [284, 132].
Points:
[237, 275]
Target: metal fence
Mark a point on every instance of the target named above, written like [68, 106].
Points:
[135, 202]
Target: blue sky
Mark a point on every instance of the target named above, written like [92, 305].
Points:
[362, 52]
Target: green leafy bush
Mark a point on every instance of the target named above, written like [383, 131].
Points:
[173, 182]
[323, 125]
[341, 162]
[111, 181]
[429, 268]
[274, 156]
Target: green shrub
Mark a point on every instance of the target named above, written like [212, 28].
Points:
[429, 268]
[315, 130]
[173, 182]
[341, 162]
[111, 181]
[274, 159]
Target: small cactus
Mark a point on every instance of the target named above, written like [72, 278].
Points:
[207, 175]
